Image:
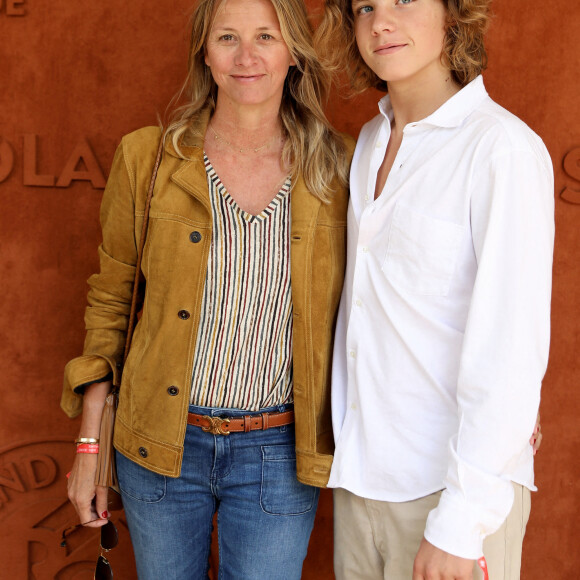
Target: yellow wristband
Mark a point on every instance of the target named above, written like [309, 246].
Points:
[82, 440]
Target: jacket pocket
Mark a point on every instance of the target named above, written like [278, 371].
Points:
[421, 252]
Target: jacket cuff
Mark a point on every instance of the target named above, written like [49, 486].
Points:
[79, 373]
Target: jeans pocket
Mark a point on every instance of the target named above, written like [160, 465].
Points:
[139, 483]
[282, 494]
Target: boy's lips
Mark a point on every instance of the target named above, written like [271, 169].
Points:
[389, 47]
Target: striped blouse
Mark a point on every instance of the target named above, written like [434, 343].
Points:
[243, 354]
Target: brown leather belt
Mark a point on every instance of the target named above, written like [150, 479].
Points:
[227, 425]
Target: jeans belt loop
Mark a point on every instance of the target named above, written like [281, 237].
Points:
[265, 421]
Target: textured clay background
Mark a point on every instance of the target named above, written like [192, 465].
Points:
[74, 77]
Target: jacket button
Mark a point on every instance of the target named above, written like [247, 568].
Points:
[183, 314]
[195, 237]
[173, 391]
[143, 452]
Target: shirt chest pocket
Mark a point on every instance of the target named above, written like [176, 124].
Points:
[421, 252]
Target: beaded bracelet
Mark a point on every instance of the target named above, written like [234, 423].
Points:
[86, 440]
[88, 448]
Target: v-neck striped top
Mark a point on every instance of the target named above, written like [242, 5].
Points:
[243, 353]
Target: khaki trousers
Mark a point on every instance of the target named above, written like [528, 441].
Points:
[376, 540]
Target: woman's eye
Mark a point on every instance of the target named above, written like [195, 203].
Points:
[226, 37]
[266, 36]
[405, 1]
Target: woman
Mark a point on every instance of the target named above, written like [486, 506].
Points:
[251, 194]
[443, 331]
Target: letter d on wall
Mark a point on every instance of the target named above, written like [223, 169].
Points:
[6, 160]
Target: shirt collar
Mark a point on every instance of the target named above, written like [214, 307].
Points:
[453, 112]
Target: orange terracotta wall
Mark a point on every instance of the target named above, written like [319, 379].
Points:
[74, 77]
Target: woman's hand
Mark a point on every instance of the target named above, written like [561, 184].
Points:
[88, 499]
[536, 438]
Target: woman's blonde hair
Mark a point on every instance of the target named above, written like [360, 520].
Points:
[463, 49]
[313, 149]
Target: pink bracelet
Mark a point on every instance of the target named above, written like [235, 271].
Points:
[88, 448]
[483, 565]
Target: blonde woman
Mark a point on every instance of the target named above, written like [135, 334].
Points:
[223, 401]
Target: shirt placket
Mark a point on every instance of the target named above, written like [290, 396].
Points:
[374, 214]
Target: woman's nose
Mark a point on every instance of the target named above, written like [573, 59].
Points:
[245, 54]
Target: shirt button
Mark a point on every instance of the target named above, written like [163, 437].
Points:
[173, 391]
[143, 452]
[183, 314]
[352, 354]
[353, 406]
[365, 249]
[366, 197]
[195, 237]
[358, 303]
[379, 144]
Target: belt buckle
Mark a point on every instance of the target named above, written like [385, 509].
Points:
[215, 426]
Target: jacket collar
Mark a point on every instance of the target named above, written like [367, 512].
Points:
[304, 206]
[191, 175]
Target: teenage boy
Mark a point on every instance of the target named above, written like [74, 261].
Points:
[443, 331]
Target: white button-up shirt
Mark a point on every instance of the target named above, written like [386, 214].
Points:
[443, 330]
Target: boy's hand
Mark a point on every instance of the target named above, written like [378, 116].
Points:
[431, 563]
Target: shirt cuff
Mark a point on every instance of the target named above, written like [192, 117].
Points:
[459, 527]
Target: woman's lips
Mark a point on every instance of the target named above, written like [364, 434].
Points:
[247, 78]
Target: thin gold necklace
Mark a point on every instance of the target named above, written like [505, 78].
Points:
[218, 137]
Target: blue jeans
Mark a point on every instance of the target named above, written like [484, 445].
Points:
[265, 516]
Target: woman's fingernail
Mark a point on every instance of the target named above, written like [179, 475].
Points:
[535, 451]
[68, 474]
[105, 515]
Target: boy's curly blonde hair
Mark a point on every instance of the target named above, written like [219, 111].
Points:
[463, 50]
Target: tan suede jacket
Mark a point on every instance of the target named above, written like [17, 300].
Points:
[155, 388]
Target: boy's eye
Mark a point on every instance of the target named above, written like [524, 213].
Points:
[364, 9]
[405, 1]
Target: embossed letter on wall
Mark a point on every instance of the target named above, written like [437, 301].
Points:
[12, 7]
[34, 511]
[571, 164]
[81, 165]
